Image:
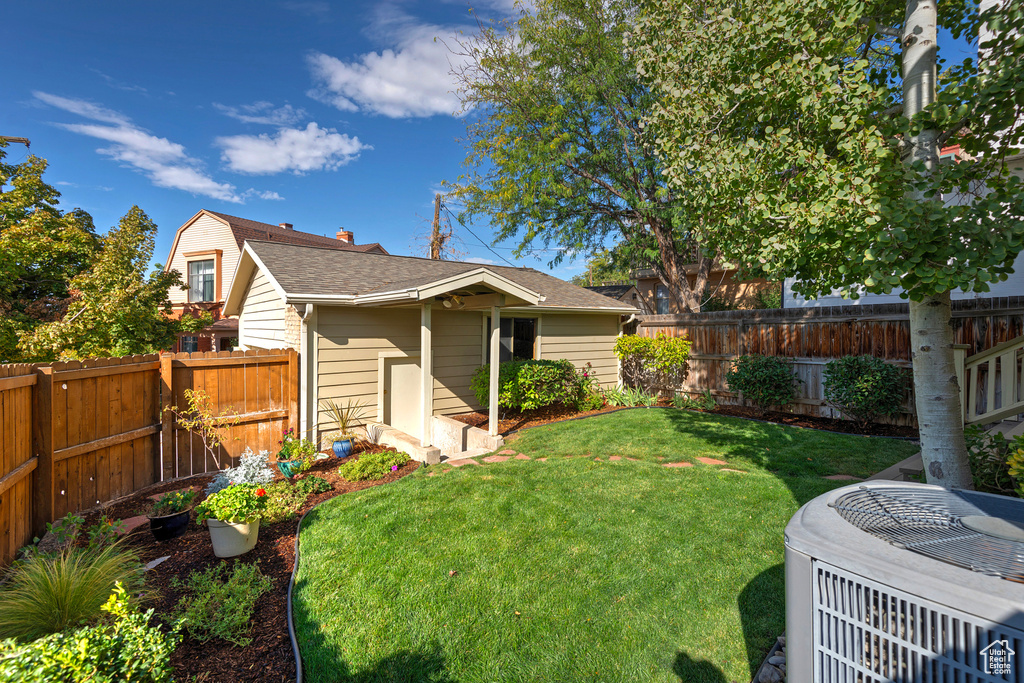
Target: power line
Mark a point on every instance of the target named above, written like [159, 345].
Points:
[482, 243]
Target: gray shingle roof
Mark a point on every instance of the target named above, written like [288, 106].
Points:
[246, 229]
[328, 272]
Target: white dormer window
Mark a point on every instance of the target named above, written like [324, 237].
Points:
[201, 281]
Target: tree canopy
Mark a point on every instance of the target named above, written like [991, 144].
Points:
[557, 150]
[809, 132]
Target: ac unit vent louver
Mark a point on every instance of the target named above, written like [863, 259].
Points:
[910, 583]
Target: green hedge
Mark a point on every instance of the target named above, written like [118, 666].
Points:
[765, 381]
[656, 363]
[531, 384]
[865, 388]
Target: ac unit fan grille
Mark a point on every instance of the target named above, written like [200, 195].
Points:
[928, 521]
[867, 632]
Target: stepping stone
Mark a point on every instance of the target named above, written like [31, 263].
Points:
[726, 469]
[542, 459]
[507, 452]
[615, 458]
[430, 474]
[633, 459]
[132, 523]
[520, 456]
[712, 461]
[158, 561]
[678, 464]
[497, 458]
[597, 459]
[464, 461]
[843, 477]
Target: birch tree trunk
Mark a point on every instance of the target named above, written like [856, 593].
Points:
[937, 392]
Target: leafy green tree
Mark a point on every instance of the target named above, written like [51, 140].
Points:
[603, 267]
[809, 132]
[115, 310]
[557, 149]
[41, 249]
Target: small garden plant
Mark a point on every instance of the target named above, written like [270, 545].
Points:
[654, 363]
[373, 465]
[293, 448]
[253, 468]
[173, 503]
[705, 402]
[865, 388]
[198, 418]
[765, 381]
[345, 417]
[997, 463]
[125, 647]
[238, 504]
[219, 607]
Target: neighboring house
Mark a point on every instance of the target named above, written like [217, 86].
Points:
[206, 250]
[627, 294]
[723, 287]
[1013, 286]
[364, 322]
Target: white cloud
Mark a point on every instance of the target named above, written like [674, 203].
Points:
[263, 113]
[410, 79]
[164, 162]
[292, 149]
[267, 194]
[481, 261]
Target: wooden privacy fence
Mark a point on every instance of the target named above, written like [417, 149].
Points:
[81, 433]
[811, 337]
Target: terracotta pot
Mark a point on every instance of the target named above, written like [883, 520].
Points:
[231, 539]
[166, 527]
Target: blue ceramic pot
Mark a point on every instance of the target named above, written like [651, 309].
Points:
[342, 448]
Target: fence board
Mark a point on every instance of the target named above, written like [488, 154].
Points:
[17, 464]
[811, 337]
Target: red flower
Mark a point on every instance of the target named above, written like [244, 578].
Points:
[260, 493]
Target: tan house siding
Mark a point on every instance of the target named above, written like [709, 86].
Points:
[726, 288]
[262, 322]
[349, 344]
[456, 340]
[582, 338]
[205, 234]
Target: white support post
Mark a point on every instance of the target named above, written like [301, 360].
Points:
[308, 410]
[492, 401]
[426, 373]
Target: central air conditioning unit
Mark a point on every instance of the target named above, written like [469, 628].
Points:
[891, 581]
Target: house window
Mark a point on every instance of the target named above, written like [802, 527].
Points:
[662, 299]
[518, 339]
[200, 281]
[188, 344]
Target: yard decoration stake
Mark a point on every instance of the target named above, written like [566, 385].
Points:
[806, 134]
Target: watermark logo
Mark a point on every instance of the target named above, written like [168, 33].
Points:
[998, 658]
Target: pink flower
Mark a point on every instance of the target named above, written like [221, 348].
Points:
[394, 468]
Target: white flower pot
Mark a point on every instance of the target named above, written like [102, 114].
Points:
[231, 539]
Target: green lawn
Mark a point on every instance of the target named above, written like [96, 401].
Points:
[570, 569]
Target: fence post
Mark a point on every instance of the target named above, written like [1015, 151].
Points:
[293, 391]
[42, 435]
[167, 455]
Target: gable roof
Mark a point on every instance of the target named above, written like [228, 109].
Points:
[613, 291]
[245, 229]
[304, 274]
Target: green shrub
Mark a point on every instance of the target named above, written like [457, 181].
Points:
[705, 402]
[49, 593]
[127, 648]
[529, 384]
[313, 484]
[989, 454]
[865, 388]
[770, 297]
[765, 381]
[215, 607]
[656, 364]
[372, 465]
[283, 500]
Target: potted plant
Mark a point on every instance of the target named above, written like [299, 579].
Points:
[344, 418]
[169, 518]
[296, 455]
[233, 517]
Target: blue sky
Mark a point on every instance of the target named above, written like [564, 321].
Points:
[320, 114]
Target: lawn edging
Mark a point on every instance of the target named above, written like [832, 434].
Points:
[704, 412]
[291, 582]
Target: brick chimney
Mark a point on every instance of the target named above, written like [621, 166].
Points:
[286, 226]
[346, 236]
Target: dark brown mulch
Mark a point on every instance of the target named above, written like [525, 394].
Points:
[510, 422]
[269, 657]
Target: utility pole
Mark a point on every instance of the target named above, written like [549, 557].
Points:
[435, 236]
[8, 138]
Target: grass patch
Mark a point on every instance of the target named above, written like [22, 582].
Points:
[570, 569]
[679, 435]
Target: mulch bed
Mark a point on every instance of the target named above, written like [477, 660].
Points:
[269, 657]
[510, 422]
